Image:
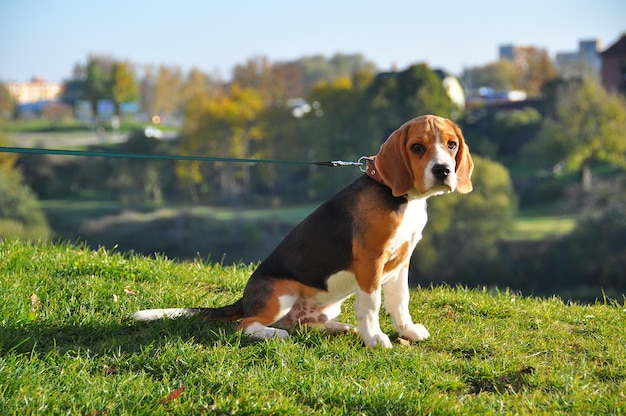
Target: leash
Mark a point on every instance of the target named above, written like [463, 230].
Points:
[335, 163]
[86, 153]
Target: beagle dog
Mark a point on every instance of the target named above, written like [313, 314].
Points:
[358, 242]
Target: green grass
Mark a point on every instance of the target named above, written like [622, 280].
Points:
[41, 126]
[71, 127]
[67, 348]
[223, 233]
[76, 220]
[78, 211]
[535, 228]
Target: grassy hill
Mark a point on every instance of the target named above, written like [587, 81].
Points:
[67, 348]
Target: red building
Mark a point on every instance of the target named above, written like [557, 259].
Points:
[614, 67]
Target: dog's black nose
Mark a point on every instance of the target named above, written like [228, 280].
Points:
[441, 171]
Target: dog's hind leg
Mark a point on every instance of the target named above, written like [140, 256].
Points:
[262, 311]
[258, 330]
[324, 320]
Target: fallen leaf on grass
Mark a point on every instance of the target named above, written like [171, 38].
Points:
[173, 395]
[35, 303]
[97, 412]
[129, 291]
[511, 382]
[403, 341]
[108, 370]
[516, 376]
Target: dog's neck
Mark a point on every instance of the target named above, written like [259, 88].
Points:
[372, 172]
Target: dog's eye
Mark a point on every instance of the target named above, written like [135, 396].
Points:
[451, 145]
[418, 149]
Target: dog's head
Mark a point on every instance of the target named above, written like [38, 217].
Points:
[426, 156]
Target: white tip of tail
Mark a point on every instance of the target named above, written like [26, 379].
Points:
[154, 314]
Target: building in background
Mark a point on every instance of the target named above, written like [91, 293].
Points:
[34, 91]
[453, 87]
[519, 55]
[583, 63]
[614, 67]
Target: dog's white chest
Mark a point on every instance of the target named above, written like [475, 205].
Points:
[413, 222]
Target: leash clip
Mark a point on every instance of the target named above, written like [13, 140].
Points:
[344, 163]
[362, 163]
[336, 163]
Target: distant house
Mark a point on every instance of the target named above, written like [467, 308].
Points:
[582, 63]
[34, 91]
[519, 55]
[614, 67]
[453, 87]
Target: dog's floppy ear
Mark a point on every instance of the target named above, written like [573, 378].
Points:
[464, 164]
[392, 162]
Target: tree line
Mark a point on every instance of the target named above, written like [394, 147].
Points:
[564, 149]
[166, 90]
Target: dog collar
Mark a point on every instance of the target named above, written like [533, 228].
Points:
[369, 168]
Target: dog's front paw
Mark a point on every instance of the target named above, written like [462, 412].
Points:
[415, 332]
[377, 339]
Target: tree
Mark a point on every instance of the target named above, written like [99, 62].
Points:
[499, 133]
[422, 92]
[471, 224]
[534, 71]
[500, 75]
[98, 80]
[273, 81]
[257, 73]
[197, 83]
[529, 69]
[290, 79]
[332, 127]
[396, 97]
[20, 213]
[336, 127]
[124, 88]
[334, 130]
[138, 181]
[167, 90]
[7, 160]
[588, 125]
[146, 90]
[593, 255]
[221, 126]
[6, 102]
[319, 68]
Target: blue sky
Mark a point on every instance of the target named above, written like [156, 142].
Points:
[46, 38]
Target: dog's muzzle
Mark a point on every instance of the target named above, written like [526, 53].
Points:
[441, 172]
[444, 177]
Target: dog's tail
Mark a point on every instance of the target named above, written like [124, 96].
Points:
[225, 313]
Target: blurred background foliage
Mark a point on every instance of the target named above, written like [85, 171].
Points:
[20, 213]
[560, 154]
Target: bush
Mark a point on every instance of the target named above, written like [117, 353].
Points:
[464, 231]
[501, 133]
[20, 214]
[597, 251]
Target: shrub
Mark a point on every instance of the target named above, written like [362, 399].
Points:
[463, 231]
[593, 255]
[20, 214]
